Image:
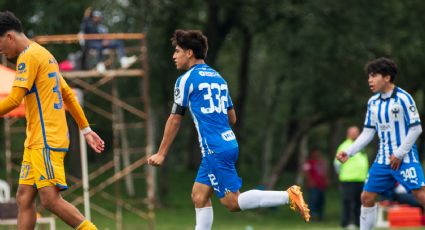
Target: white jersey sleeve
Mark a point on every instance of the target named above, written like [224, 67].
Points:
[365, 138]
[182, 90]
[370, 119]
[409, 109]
[408, 142]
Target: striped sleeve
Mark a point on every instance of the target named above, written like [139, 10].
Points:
[182, 90]
[370, 119]
[410, 111]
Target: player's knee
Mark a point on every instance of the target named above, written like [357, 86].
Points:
[231, 203]
[199, 200]
[24, 199]
[47, 202]
[367, 200]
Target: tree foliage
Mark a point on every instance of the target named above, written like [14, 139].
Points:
[295, 68]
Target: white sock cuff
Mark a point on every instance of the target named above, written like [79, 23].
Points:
[367, 210]
[204, 208]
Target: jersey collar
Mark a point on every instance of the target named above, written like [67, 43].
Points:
[197, 65]
[384, 96]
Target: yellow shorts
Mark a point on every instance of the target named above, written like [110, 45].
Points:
[42, 168]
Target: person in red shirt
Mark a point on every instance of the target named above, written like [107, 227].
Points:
[316, 174]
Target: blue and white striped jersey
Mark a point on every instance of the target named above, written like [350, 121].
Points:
[206, 94]
[391, 118]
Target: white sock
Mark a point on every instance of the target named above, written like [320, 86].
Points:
[204, 218]
[367, 217]
[262, 199]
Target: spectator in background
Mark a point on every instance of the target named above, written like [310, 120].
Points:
[92, 24]
[352, 175]
[316, 174]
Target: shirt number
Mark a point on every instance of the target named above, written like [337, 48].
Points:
[216, 95]
[56, 90]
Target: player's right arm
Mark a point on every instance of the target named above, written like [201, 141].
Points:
[13, 100]
[365, 137]
[182, 90]
[172, 127]
[26, 70]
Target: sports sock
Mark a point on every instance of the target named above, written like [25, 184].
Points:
[367, 217]
[204, 218]
[86, 225]
[262, 199]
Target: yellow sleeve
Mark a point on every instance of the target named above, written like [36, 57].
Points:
[73, 106]
[26, 71]
[13, 100]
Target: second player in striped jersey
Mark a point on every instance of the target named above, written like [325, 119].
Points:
[392, 114]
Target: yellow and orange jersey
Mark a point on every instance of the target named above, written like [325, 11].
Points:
[38, 71]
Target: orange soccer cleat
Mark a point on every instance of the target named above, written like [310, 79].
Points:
[297, 203]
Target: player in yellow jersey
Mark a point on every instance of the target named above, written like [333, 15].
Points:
[46, 93]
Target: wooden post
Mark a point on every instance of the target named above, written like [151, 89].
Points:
[150, 171]
[129, 182]
[116, 150]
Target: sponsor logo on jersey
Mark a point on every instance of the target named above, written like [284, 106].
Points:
[208, 74]
[412, 108]
[384, 127]
[20, 79]
[21, 68]
[228, 135]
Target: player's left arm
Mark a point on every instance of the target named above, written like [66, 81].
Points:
[70, 100]
[406, 146]
[410, 112]
[13, 100]
[231, 114]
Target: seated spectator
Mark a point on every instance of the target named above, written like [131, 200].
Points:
[92, 24]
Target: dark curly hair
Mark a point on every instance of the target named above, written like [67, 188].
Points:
[191, 39]
[8, 21]
[384, 66]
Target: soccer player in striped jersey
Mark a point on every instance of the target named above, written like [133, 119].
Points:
[393, 116]
[205, 93]
[46, 93]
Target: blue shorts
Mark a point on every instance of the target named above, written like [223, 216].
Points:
[382, 178]
[218, 170]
